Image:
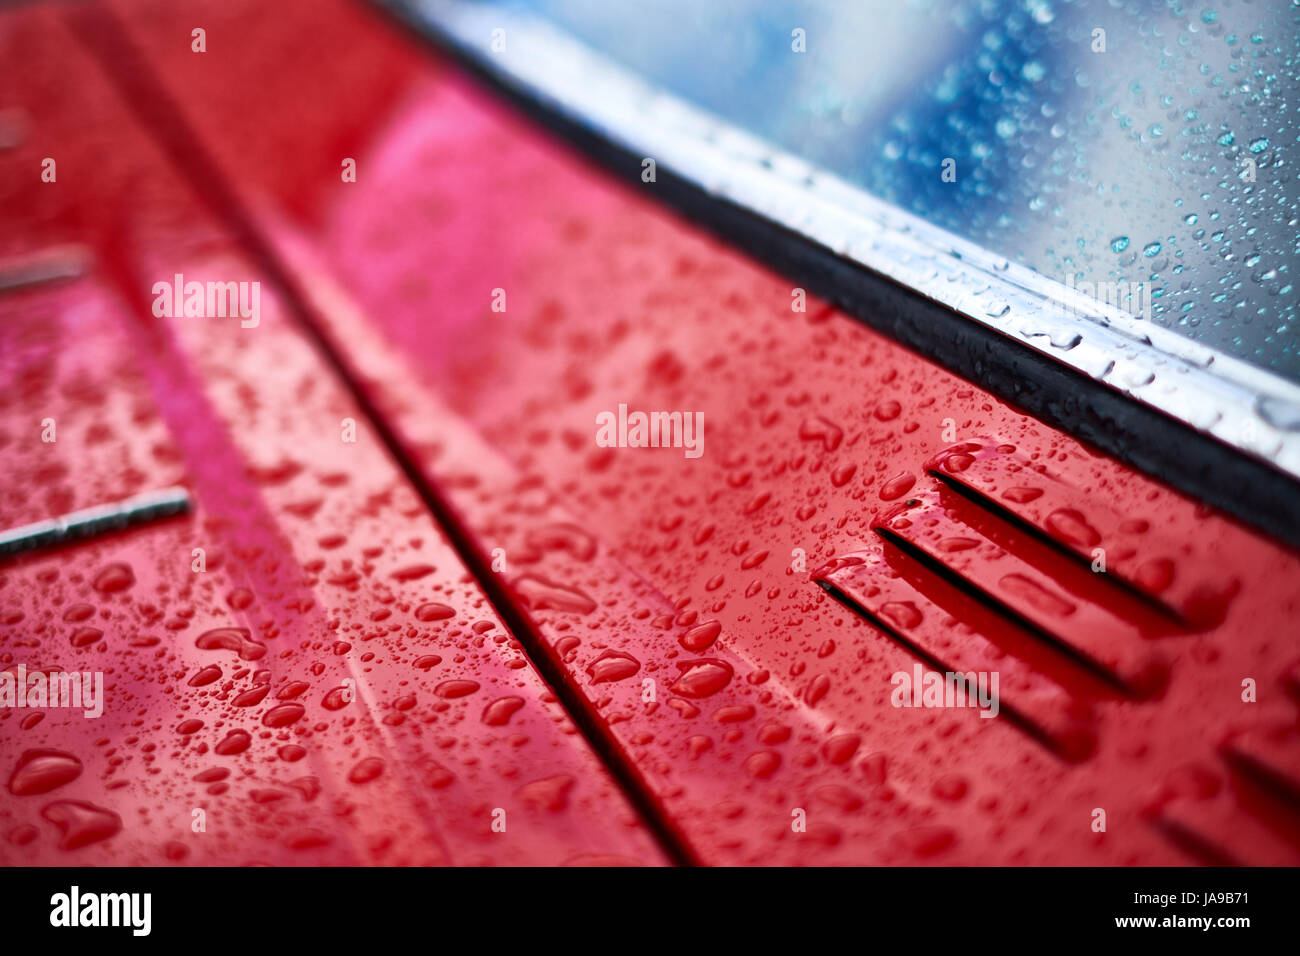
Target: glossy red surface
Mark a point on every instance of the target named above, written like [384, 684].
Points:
[332, 687]
[748, 715]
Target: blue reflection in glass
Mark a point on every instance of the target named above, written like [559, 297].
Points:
[1127, 144]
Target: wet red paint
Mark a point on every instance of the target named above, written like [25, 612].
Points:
[676, 598]
[223, 705]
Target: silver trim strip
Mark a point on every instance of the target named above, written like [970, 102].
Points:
[101, 519]
[1239, 404]
[44, 265]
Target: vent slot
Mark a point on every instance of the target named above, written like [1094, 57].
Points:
[988, 568]
[1270, 757]
[1222, 831]
[1034, 587]
[1182, 578]
[949, 630]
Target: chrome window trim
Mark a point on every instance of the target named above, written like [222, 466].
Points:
[95, 521]
[1240, 405]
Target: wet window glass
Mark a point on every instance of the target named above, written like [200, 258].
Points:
[1140, 146]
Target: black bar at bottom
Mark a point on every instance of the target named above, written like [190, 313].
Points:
[940, 907]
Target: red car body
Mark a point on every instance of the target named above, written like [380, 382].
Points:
[471, 634]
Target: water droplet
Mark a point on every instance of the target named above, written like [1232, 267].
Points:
[308, 838]
[85, 636]
[841, 748]
[413, 573]
[292, 689]
[235, 639]
[887, 411]
[1033, 593]
[701, 636]
[842, 798]
[612, 666]
[762, 764]
[903, 614]
[336, 698]
[928, 841]
[897, 486]
[499, 712]
[550, 793]
[842, 475]
[950, 787]
[78, 612]
[23, 835]
[432, 611]
[1279, 413]
[564, 537]
[283, 715]
[40, 771]
[823, 430]
[367, 769]
[1022, 494]
[702, 678]
[1154, 575]
[736, 714]
[542, 595]
[235, 742]
[452, 689]
[81, 823]
[251, 697]
[1071, 526]
[113, 578]
[817, 689]
[206, 676]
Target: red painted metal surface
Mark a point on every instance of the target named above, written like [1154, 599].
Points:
[676, 603]
[325, 683]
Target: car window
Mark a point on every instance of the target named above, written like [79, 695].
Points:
[1143, 153]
